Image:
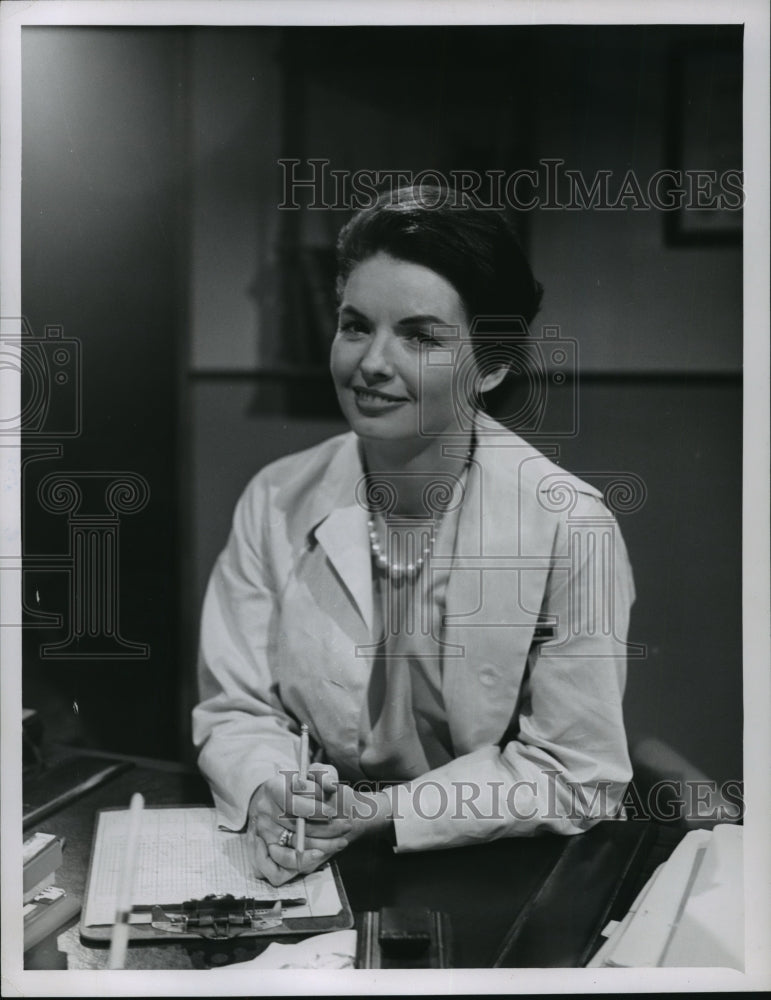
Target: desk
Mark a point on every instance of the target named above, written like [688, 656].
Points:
[538, 902]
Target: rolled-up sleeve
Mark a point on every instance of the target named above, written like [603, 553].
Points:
[240, 727]
[568, 765]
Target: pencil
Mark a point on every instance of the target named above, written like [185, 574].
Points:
[125, 886]
[304, 761]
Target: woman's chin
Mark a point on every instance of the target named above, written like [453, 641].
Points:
[367, 432]
[382, 427]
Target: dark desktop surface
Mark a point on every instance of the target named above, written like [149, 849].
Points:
[538, 902]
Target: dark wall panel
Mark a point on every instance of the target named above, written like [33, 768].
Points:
[100, 188]
[682, 438]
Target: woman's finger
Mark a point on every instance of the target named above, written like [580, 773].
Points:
[272, 809]
[287, 857]
[268, 868]
[272, 832]
[327, 829]
[328, 845]
[317, 834]
[269, 802]
[325, 777]
[312, 809]
[305, 804]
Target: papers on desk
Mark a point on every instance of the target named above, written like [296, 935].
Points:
[691, 912]
[184, 855]
[336, 950]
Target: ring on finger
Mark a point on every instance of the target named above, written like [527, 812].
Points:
[286, 838]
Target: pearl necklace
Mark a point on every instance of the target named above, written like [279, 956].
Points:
[410, 570]
[398, 570]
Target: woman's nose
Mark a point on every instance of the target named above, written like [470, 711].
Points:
[376, 361]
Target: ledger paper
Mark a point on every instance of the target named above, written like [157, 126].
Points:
[184, 855]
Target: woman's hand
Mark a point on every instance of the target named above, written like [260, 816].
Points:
[274, 809]
[370, 813]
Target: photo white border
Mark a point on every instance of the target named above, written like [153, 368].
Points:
[756, 602]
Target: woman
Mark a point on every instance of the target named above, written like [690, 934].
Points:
[444, 607]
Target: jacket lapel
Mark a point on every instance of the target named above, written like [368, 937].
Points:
[494, 592]
[341, 528]
[493, 598]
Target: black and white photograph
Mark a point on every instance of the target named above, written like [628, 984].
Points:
[384, 580]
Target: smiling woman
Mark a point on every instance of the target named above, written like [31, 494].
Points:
[392, 311]
[445, 608]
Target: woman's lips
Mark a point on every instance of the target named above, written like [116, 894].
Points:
[372, 401]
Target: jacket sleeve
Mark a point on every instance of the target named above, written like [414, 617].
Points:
[568, 765]
[240, 727]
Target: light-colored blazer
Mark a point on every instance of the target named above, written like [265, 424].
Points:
[533, 661]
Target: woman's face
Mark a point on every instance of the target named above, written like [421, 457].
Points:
[390, 315]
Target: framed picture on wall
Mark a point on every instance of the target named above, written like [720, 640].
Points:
[704, 145]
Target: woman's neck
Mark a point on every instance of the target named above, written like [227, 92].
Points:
[416, 470]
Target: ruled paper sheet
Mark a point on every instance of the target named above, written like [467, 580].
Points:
[183, 855]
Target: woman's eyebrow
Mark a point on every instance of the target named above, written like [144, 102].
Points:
[422, 319]
[351, 311]
[428, 320]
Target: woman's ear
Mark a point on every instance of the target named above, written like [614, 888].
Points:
[492, 379]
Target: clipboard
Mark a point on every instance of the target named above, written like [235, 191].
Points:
[177, 834]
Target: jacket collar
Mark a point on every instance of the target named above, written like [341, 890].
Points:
[340, 525]
[339, 520]
[495, 592]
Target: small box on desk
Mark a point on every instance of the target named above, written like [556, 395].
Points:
[41, 856]
[46, 913]
[396, 938]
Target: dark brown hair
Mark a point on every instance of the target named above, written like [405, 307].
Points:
[476, 250]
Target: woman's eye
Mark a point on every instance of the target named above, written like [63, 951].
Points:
[421, 337]
[352, 328]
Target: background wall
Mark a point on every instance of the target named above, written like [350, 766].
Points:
[658, 325]
[103, 222]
